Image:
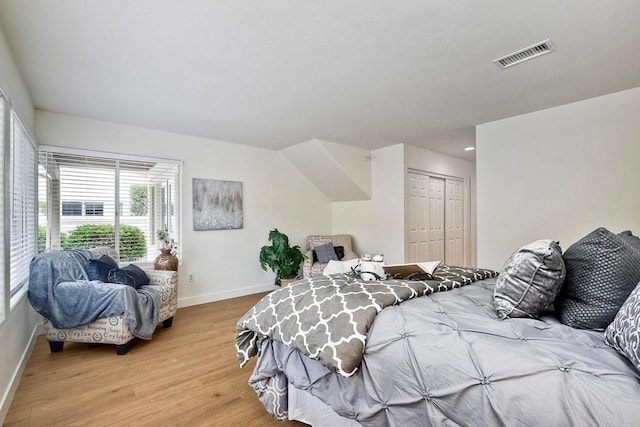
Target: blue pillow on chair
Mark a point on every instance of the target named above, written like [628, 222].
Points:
[98, 269]
[131, 275]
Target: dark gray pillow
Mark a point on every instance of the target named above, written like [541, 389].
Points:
[602, 270]
[530, 280]
[623, 333]
[632, 240]
[339, 253]
[98, 269]
[326, 252]
[131, 275]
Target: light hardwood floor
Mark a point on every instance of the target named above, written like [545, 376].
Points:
[187, 375]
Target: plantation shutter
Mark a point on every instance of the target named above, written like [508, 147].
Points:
[3, 132]
[23, 209]
[101, 199]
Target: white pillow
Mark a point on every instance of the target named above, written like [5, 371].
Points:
[335, 267]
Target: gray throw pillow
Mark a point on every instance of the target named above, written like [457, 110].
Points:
[602, 270]
[632, 240]
[623, 333]
[530, 280]
[326, 253]
[131, 275]
[98, 269]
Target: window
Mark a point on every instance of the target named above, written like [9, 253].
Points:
[3, 135]
[71, 208]
[94, 208]
[23, 205]
[18, 208]
[96, 199]
[75, 208]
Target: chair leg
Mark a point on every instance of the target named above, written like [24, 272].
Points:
[56, 346]
[122, 349]
[168, 322]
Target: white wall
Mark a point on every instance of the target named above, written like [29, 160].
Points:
[558, 173]
[354, 161]
[18, 329]
[12, 85]
[378, 224]
[224, 263]
[339, 171]
[442, 164]
[430, 161]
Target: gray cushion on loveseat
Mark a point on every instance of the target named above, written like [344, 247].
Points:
[602, 270]
[530, 280]
[326, 253]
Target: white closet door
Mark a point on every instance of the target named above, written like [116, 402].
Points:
[436, 219]
[454, 222]
[418, 217]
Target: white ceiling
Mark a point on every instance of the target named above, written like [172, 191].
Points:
[274, 73]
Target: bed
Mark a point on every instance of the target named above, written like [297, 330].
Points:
[440, 356]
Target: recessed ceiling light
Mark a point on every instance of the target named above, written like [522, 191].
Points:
[469, 148]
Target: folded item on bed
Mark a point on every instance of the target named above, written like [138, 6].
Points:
[328, 318]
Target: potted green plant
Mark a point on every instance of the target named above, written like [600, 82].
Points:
[281, 258]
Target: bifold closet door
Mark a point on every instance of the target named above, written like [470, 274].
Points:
[426, 218]
[436, 219]
[454, 222]
[418, 217]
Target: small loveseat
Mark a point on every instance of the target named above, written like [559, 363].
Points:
[121, 312]
[312, 267]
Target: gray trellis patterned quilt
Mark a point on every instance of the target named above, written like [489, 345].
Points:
[327, 318]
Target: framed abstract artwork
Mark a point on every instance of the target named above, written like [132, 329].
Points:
[217, 204]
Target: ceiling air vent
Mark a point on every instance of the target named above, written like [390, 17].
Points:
[525, 54]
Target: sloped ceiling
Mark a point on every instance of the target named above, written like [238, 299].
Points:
[277, 73]
[341, 172]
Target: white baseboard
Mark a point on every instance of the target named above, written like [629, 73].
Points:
[226, 294]
[7, 398]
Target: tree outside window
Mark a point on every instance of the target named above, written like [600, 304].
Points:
[139, 199]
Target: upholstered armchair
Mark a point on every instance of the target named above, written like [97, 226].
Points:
[112, 329]
[315, 268]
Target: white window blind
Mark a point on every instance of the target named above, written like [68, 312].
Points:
[23, 207]
[3, 132]
[100, 199]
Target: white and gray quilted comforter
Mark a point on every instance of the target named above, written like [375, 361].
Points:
[446, 359]
[328, 318]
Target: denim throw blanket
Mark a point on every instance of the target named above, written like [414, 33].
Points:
[328, 318]
[60, 290]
